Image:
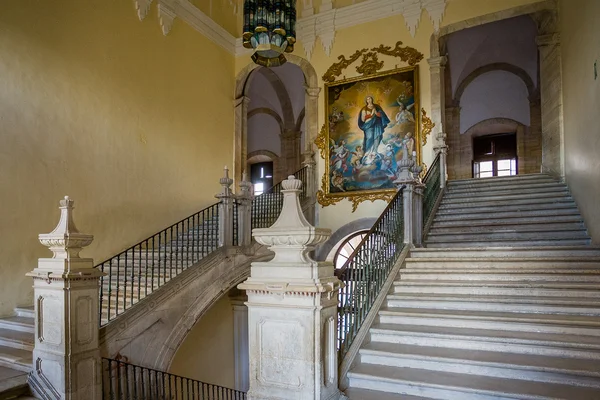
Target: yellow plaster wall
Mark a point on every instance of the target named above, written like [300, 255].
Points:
[207, 353]
[580, 46]
[133, 125]
[386, 31]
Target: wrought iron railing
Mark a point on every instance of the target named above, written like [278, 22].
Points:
[124, 381]
[432, 190]
[367, 269]
[138, 271]
[266, 207]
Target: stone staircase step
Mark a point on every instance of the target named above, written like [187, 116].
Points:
[521, 275]
[515, 263]
[13, 383]
[455, 222]
[471, 209]
[516, 186]
[446, 385]
[509, 198]
[522, 178]
[506, 252]
[529, 322]
[364, 394]
[502, 288]
[495, 203]
[505, 341]
[529, 367]
[18, 359]
[523, 243]
[22, 324]
[25, 311]
[554, 190]
[507, 226]
[492, 235]
[515, 216]
[16, 339]
[517, 304]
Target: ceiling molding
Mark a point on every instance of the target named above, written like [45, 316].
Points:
[322, 25]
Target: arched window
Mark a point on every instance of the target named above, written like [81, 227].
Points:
[347, 247]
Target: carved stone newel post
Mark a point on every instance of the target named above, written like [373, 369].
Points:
[419, 189]
[292, 311]
[225, 210]
[412, 193]
[66, 359]
[245, 212]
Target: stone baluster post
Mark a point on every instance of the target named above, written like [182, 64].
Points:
[442, 149]
[226, 199]
[66, 357]
[292, 311]
[419, 188]
[311, 185]
[406, 178]
[245, 212]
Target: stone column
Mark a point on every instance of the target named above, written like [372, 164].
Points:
[438, 96]
[292, 311]
[443, 150]
[245, 212]
[290, 150]
[66, 357]
[240, 139]
[225, 210]
[405, 178]
[552, 105]
[240, 341]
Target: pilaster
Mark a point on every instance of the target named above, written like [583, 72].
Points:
[438, 107]
[292, 311]
[66, 357]
[240, 140]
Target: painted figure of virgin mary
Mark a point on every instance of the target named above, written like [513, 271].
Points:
[372, 120]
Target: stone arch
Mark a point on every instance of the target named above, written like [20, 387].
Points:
[513, 69]
[342, 233]
[241, 102]
[300, 119]
[265, 155]
[282, 95]
[270, 112]
[472, 131]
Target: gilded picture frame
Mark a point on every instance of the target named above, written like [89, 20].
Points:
[372, 122]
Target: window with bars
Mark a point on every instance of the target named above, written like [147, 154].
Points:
[495, 155]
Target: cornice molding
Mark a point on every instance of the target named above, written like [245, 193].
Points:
[322, 25]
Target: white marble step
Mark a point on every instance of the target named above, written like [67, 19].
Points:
[553, 190]
[496, 179]
[22, 324]
[516, 186]
[16, 339]
[364, 394]
[514, 263]
[25, 311]
[454, 386]
[505, 341]
[561, 370]
[511, 242]
[499, 288]
[542, 201]
[518, 304]
[521, 275]
[524, 322]
[493, 234]
[470, 209]
[507, 199]
[18, 359]
[13, 383]
[506, 227]
[506, 252]
[514, 216]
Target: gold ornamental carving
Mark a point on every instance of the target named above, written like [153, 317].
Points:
[427, 126]
[370, 62]
[321, 141]
[359, 198]
[322, 198]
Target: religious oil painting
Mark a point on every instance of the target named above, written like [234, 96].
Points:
[372, 124]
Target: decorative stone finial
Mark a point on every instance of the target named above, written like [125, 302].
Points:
[245, 186]
[226, 183]
[65, 241]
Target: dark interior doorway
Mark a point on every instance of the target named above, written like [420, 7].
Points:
[261, 175]
[495, 155]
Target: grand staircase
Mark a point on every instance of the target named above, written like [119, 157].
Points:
[16, 345]
[503, 303]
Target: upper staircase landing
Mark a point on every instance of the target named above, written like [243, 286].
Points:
[523, 210]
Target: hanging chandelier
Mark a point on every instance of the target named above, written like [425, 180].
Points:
[269, 29]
